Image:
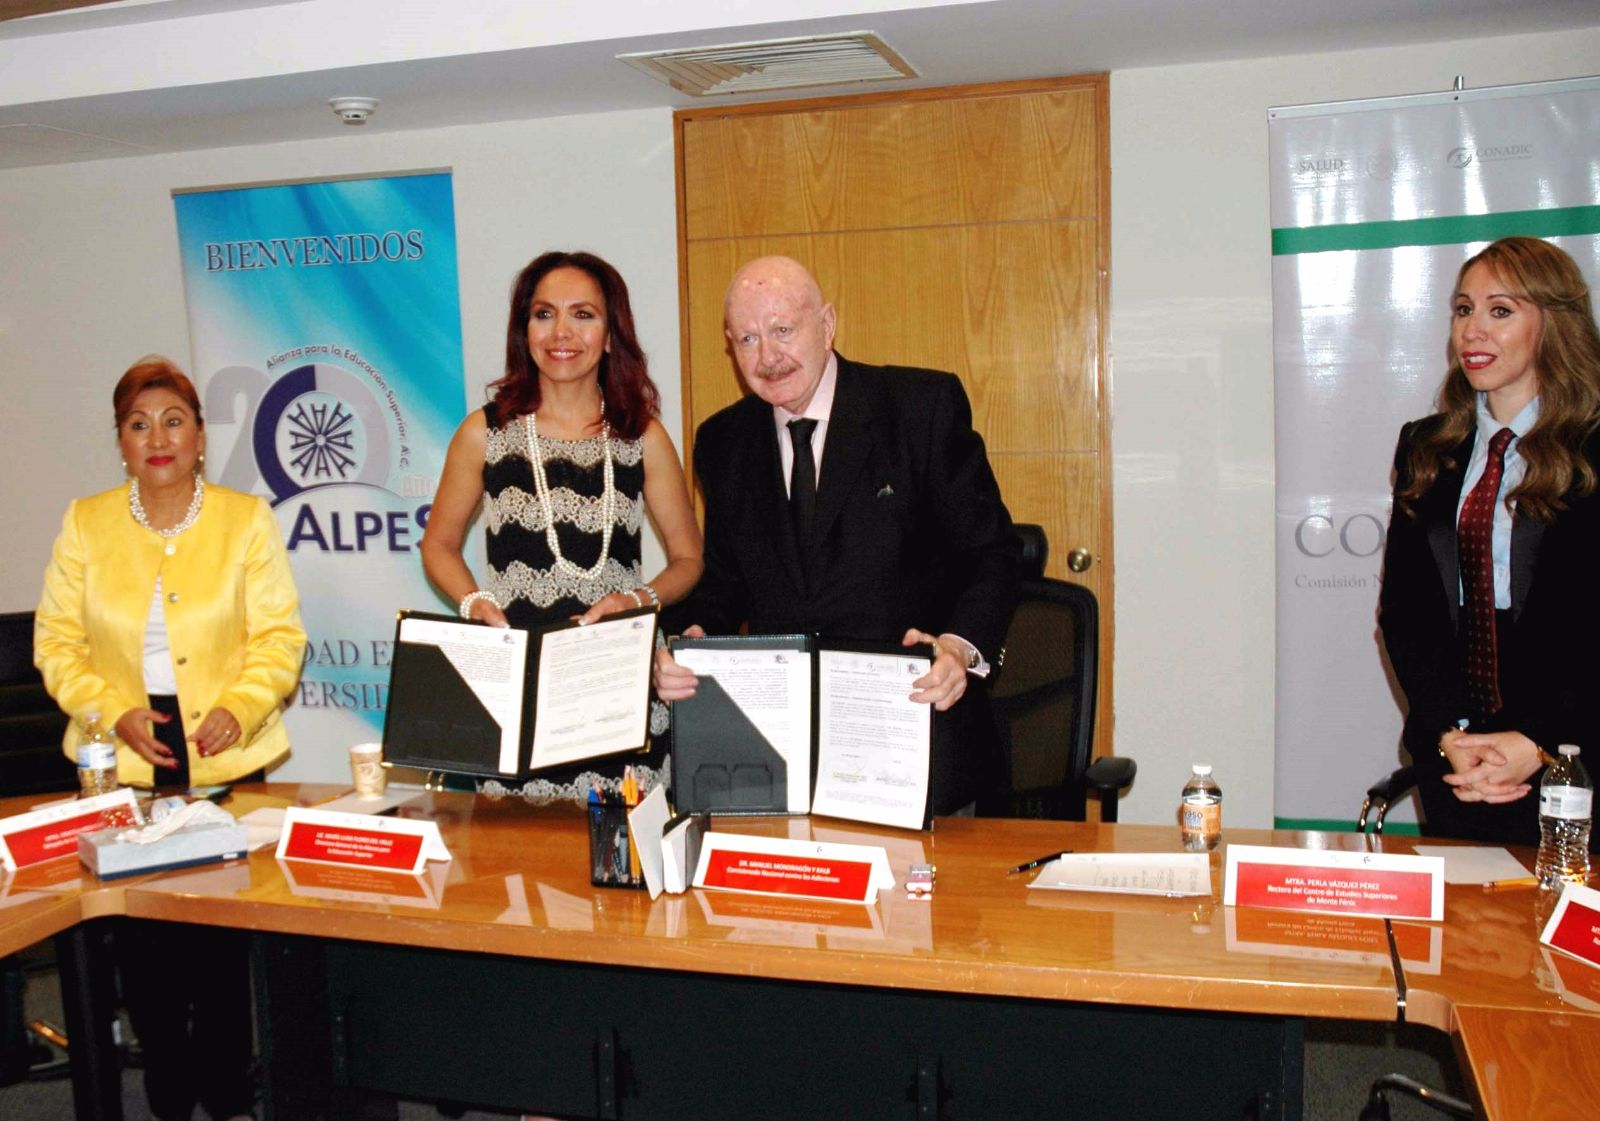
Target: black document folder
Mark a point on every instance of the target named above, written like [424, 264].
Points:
[435, 721]
[721, 763]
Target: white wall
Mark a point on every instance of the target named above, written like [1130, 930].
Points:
[90, 277]
[1191, 327]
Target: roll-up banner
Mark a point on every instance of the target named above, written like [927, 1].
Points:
[326, 338]
[1375, 205]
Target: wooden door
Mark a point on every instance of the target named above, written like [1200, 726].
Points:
[963, 229]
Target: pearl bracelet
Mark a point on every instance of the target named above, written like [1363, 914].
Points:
[471, 598]
[655, 600]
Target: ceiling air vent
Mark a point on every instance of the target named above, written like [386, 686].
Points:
[777, 64]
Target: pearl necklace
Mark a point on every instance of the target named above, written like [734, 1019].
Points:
[136, 508]
[608, 501]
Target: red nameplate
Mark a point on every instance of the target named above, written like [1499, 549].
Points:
[344, 844]
[1336, 882]
[51, 833]
[788, 875]
[1295, 887]
[1574, 925]
[47, 842]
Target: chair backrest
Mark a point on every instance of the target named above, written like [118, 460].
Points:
[30, 722]
[1043, 699]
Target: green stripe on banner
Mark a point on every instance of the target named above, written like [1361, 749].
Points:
[1566, 221]
[1345, 825]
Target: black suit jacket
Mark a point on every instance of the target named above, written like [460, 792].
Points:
[1550, 672]
[909, 531]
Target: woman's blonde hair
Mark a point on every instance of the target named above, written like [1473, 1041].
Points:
[1567, 362]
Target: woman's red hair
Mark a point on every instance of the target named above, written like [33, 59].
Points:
[631, 398]
[153, 372]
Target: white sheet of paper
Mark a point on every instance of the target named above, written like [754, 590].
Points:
[873, 740]
[262, 826]
[1475, 864]
[773, 690]
[492, 661]
[645, 822]
[1129, 873]
[593, 694]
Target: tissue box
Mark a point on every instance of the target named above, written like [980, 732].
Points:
[108, 857]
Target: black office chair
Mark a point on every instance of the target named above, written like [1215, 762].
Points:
[31, 724]
[1043, 697]
[31, 762]
[1382, 795]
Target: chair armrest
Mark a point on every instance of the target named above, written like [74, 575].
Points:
[1111, 772]
[1107, 776]
[1392, 785]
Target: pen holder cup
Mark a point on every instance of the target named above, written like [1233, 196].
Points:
[612, 861]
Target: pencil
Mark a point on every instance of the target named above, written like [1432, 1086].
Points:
[1520, 881]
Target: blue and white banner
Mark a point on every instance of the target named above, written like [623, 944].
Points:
[1375, 205]
[326, 338]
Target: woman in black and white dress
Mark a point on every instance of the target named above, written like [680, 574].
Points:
[571, 456]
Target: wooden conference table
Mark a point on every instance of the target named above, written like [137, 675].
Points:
[503, 978]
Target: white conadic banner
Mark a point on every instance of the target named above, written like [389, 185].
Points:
[1375, 204]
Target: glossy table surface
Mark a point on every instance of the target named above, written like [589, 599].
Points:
[518, 885]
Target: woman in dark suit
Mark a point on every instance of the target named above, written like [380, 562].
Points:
[1490, 604]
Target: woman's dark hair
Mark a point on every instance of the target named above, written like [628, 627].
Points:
[632, 401]
[1568, 365]
[153, 372]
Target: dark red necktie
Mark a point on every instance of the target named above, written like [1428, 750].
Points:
[1474, 543]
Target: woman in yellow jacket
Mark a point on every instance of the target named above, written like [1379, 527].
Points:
[168, 605]
[169, 611]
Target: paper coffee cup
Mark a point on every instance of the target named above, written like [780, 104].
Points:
[366, 768]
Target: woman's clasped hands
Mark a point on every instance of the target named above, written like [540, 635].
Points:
[1490, 767]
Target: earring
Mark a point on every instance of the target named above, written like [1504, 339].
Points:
[124, 466]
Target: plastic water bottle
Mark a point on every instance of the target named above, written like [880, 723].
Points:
[1200, 814]
[1566, 799]
[97, 759]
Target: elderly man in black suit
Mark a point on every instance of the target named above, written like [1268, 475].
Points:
[853, 502]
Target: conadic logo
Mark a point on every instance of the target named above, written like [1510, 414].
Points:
[1464, 157]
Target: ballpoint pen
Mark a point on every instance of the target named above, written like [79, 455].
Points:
[1030, 865]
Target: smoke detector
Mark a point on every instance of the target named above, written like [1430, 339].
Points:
[775, 64]
[353, 110]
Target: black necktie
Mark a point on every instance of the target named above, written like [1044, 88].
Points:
[803, 478]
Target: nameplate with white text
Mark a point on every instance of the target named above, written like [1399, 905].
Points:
[780, 866]
[388, 844]
[1574, 926]
[40, 835]
[1381, 885]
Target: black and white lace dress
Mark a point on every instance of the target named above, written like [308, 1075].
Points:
[533, 591]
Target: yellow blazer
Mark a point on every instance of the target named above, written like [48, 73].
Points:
[233, 624]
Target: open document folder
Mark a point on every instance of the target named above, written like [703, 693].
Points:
[768, 706]
[1129, 873]
[502, 701]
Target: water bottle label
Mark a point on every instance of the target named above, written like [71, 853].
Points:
[1565, 801]
[94, 756]
[1202, 816]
